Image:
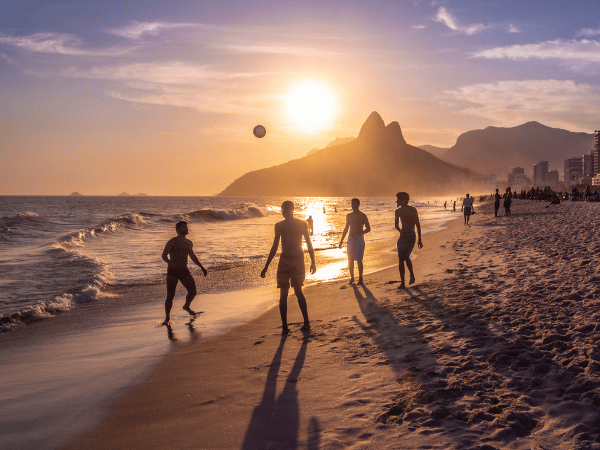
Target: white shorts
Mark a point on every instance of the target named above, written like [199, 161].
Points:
[356, 247]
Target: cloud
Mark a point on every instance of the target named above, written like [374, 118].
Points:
[513, 29]
[445, 17]
[582, 51]
[561, 103]
[58, 43]
[589, 32]
[282, 50]
[136, 30]
[418, 27]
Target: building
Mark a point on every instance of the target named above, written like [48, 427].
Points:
[588, 168]
[573, 171]
[596, 152]
[540, 171]
[552, 178]
[513, 175]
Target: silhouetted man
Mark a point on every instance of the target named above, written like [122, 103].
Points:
[291, 270]
[176, 254]
[467, 208]
[409, 218]
[310, 223]
[497, 198]
[358, 224]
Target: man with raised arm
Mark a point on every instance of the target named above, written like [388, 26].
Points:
[409, 218]
[176, 254]
[358, 225]
[291, 270]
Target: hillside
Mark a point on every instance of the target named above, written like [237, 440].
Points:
[378, 162]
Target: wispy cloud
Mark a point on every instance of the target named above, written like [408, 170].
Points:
[445, 17]
[589, 32]
[59, 43]
[418, 27]
[513, 29]
[136, 30]
[282, 50]
[555, 102]
[575, 50]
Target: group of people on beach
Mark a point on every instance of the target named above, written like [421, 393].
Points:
[291, 271]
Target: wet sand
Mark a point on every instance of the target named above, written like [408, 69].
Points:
[495, 346]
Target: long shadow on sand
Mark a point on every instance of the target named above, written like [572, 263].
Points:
[275, 421]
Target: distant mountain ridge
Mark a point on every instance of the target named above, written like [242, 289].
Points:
[498, 150]
[378, 162]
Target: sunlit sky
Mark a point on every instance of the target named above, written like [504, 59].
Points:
[102, 97]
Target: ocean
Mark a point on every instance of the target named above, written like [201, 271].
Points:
[82, 290]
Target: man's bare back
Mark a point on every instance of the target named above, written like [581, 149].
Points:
[291, 232]
[409, 218]
[357, 221]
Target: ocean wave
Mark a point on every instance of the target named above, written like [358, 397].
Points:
[21, 219]
[77, 238]
[237, 213]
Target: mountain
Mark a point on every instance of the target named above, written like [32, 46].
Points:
[378, 162]
[498, 150]
[435, 151]
[338, 141]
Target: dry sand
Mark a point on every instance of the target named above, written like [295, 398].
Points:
[495, 347]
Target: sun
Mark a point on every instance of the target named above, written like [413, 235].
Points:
[311, 106]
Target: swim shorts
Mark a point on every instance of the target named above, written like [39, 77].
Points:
[291, 271]
[497, 205]
[467, 210]
[180, 274]
[356, 247]
[406, 243]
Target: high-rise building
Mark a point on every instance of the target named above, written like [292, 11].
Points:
[596, 152]
[539, 173]
[573, 171]
[588, 168]
[518, 170]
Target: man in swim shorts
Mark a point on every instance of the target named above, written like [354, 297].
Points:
[358, 225]
[409, 218]
[291, 271]
[176, 254]
[497, 198]
[467, 207]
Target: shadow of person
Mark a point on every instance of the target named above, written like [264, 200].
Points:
[314, 434]
[170, 333]
[275, 421]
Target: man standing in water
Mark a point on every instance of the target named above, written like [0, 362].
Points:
[358, 224]
[176, 254]
[409, 218]
[291, 270]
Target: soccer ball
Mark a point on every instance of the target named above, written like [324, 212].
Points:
[259, 131]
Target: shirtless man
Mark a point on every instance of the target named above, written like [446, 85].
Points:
[176, 254]
[291, 270]
[409, 217]
[467, 207]
[497, 198]
[358, 224]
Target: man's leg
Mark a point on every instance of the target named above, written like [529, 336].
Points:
[283, 295]
[410, 271]
[189, 283]
[401, 268]
[351, 269]
[171, 285]
[303, 307]
[360, 271]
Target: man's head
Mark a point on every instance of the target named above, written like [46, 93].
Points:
[287, 209]
[402, 198]
[497, 191]
[467, 195]
[355, 204]
[181, 228]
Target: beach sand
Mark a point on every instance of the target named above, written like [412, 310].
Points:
[495, 346]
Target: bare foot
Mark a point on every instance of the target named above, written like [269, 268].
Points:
[351, 281]
[361, 282]
[305, 327]
[412, 280]
[167, 322]
[402, 286]
[285, 330]
[191, 311]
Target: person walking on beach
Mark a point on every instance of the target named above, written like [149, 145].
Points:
[310, 224]
[291, 270]
[467, 207]
[409, 218]
[497, 198]
[454, 207]
[176, 254]
[358, 224]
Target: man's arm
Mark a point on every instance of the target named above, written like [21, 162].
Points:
[397, 221]
[367, 225]
[274, 248]
[166, 251]
[194, 258]
[418, 225]
[345, 232]
[311, 252]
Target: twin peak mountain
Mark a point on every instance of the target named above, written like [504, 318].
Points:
[378, 162]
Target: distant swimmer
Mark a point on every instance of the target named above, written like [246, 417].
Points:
[445, 205]
[409, 218]
[176, 254]
[454, 207]
[323, 210]
[291, 270]
[467, 207]
[358, 224]
[310, 224]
